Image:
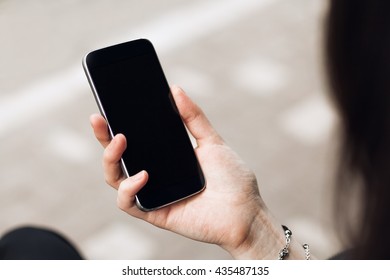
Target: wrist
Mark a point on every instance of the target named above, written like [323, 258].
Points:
[264, 240]
[260, 241]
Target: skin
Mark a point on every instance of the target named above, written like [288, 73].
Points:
[229, 212]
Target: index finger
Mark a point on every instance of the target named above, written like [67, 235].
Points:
[100, 129]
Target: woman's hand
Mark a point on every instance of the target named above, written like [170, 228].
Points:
[229, 212]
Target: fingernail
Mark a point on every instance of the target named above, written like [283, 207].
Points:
[115, 140]
[138, 176]
[178, 89]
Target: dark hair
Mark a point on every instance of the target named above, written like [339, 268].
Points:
[358, 64]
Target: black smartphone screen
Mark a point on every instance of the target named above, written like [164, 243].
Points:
[134, 96]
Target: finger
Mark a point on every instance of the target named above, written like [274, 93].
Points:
[100, 129]
[194, 118]
[111, 160]
[127, 191]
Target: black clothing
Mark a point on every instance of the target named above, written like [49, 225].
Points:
[29, 243]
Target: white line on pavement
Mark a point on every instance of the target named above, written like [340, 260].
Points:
[169, 32]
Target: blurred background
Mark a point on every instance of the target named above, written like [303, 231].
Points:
[254, 66]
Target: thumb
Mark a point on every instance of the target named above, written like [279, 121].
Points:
[194, 119]
[127, 190]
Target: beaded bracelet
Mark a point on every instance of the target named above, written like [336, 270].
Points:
[284, 252]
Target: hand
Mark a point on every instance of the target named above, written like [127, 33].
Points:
[229, 212]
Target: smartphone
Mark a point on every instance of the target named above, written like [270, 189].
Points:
[134, 97]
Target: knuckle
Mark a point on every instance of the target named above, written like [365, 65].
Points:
[114, 179]
[108, 180]
[107, 155]
[111, 181]
[121, 204]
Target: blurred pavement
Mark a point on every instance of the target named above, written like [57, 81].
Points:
[255, 67]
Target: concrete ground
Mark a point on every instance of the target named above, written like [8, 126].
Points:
[254, 66]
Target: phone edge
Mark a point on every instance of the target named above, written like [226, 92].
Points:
[100, 106]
